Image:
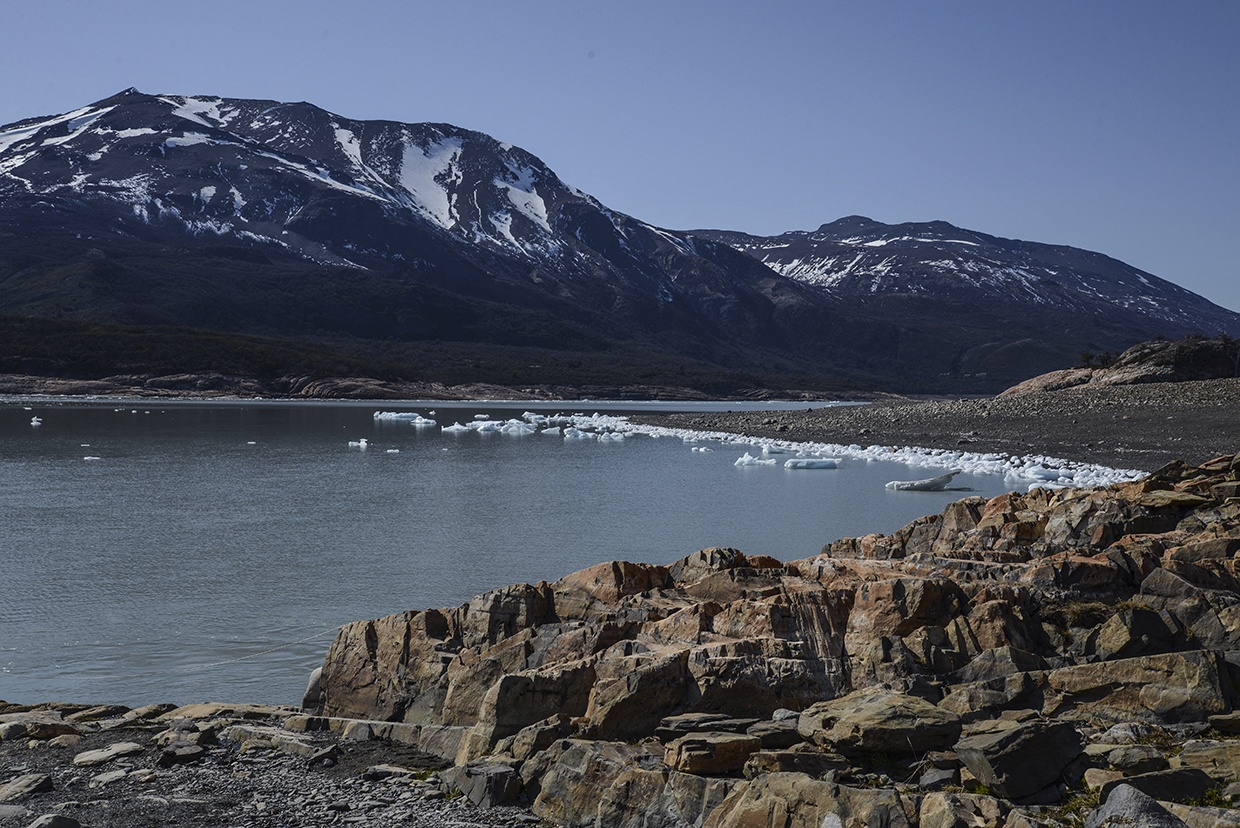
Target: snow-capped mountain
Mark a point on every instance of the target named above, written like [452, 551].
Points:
[858, 257]
[283, 219]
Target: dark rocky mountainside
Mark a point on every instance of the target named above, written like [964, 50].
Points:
[378, 239]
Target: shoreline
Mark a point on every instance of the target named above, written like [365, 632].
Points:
[1141, 426]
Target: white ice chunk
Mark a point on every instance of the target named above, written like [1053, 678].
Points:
[455, 428]
[36, 421]
[360, 443]
[812, 463]
[748, 459]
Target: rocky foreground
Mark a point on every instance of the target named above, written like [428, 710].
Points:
[1044, 659]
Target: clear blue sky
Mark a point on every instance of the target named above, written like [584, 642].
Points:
[1112, 125]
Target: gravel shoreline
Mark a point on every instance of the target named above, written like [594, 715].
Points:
[1122, 426]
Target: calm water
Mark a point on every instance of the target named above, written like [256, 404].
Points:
[211, 549]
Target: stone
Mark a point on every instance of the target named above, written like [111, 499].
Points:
[259, 736]
[1178, 784]
[1219, 759]
[486, 784]
[936, 779]
[9, 813]
[1228, 723]
[25, 785]
[1128, 807]
[90, 758]
[794, 800]
[673, 727]
[879, 721]
[179, 753]
[1132, 759]
[710, 753]
[106, 778]
[1019, 760]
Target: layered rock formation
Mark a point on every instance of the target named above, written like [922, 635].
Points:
[963, 670]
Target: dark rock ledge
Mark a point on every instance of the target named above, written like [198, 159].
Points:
[1042, 659]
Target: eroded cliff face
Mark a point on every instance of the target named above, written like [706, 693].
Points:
[1079, 606]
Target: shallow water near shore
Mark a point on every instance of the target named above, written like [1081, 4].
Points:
[211, 549]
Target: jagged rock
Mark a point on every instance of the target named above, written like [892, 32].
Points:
[1127, 806]
[776, 735]
[486, 784]
[584, 783]
[55, 821]
[794, 800]
[1133, 759]
[673, 727]
[1019, 760]
[949, 810]
[710, 753]
[878, 721]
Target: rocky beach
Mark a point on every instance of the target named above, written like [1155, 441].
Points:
[1052, 658]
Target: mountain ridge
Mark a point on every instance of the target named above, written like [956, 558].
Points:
[257, 217]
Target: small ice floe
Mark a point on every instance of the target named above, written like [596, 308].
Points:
[571, 433]
[930, 484]
[748, 459]
[482, 416]
[775, 450]
[702, 449]
[812, 463]
[455, 428]
[251, 442]
[554, 431]
[359, 443]
[36, 421]
[393, 451]
[412, 417]
[91, 457]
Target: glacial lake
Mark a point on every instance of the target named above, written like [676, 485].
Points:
[208, 551]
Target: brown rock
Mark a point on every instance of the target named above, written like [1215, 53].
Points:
[879, 721]
[710, 753]
[794, 800]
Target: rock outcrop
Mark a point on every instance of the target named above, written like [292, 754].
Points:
[966, 669]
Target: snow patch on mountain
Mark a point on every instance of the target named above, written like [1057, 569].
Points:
[524, 195]
[427, 173]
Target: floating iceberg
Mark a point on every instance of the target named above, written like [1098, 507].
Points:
[812, 463]
[455, 428]
[748, 459]
[702, 449]
[360, 443]
[930, 484]
[36, 421]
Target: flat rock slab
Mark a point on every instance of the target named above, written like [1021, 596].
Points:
[25, 785]
[1178, 784]
[879, 721]
[90, 758]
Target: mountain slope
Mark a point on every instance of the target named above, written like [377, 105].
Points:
[284, 220]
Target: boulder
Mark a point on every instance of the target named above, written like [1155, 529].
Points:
[1128, 807]
[802, 758]
[879, 722]
[1019, 760]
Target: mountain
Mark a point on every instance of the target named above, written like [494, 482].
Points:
[1055, 302]
[439, 250]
